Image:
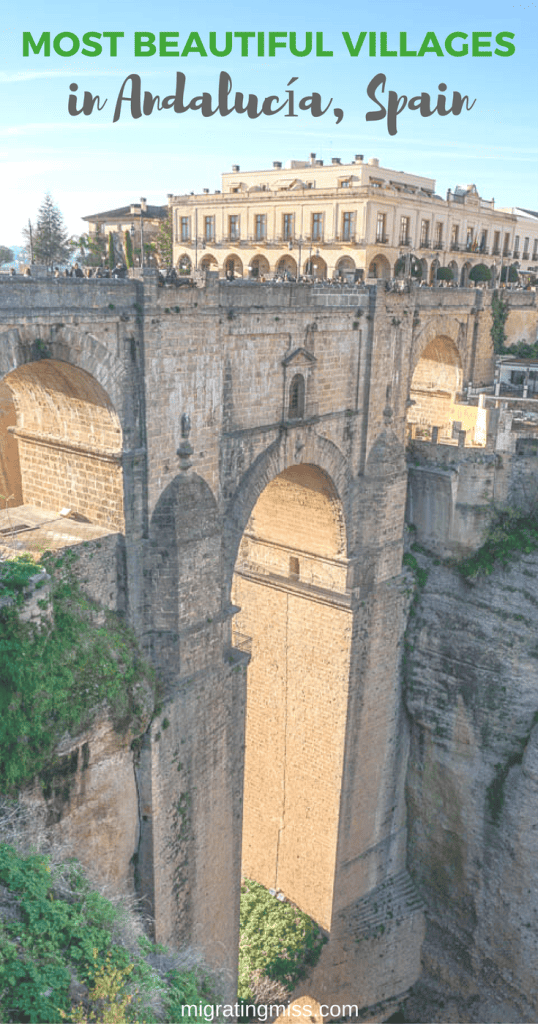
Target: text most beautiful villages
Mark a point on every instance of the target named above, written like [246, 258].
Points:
[248, 44]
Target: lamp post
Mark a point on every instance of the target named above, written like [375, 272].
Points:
[142, 233]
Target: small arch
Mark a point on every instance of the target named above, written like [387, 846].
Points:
[316, 267]
[287, 267]
[209, 263]
[233, 267]
[184, 264]
[433, 271]
[259, 267]
[379, 268]
[345, 267]
[296, 405]
[464, 275]
[455, 271]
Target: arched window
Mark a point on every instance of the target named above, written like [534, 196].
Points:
[296, 405]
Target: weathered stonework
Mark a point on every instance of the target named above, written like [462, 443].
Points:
[212, 369]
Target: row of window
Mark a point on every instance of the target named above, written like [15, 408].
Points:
[475, 240]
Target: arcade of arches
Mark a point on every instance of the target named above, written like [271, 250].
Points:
[60, 443]
[290, 586]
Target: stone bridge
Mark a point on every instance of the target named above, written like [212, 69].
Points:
[246, 444]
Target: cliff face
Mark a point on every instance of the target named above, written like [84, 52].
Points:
[471, 681]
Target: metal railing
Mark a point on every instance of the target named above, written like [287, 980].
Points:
[241, 642]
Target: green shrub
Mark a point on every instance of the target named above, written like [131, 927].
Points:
[53, 680]
[15, 575]
[277, 939]
[512, 532]
[60, 930]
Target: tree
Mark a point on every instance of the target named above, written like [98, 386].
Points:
[499, 315]
[50, 242]
[164, 242]
[480, 273]
[513, 274]
[445, 274]
[6, 255]
[129, 258]
[416, 267]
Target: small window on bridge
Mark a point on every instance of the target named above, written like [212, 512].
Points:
[294, 567]
[296, 406]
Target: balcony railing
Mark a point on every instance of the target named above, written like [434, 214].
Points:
[525, 256]
[439, 246]
[496, 251]
[381, 239]
[455, 246]
[515, 254]
[424, 243]
[405, 241]
[241, 642]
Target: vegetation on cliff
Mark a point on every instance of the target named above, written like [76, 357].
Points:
[278, 945]
[512, 531]
[67, 953]
[54, 677]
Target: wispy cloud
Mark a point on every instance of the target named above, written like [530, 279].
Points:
[8, 77]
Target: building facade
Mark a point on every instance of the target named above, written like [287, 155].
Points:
[354, 221]
[142, 220]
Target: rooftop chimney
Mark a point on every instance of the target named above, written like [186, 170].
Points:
[235, 168]
[143, 204]
[359, 158]
[277, 163]
[205, 191]
[373, 161]
[336, 160]
[312, 158]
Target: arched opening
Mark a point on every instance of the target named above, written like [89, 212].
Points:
[455, 271]
[233, 268]
[209, 263]
[287, 268]
[435, 384]
[345, 269]
[259, 267]
[61, 443]
[379, 268]
[296, 403]
[464, 275]
[433, 271]
[290, 585]
[316, 267]
[184, 264]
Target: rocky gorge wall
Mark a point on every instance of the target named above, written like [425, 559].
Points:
[471, 691]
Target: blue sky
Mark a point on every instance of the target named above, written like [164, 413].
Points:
[90, 164]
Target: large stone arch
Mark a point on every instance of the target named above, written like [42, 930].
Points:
[281, 455]
[65, 441]
[448, 327]
[29, 343]
[290, 589]
[434, 387]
